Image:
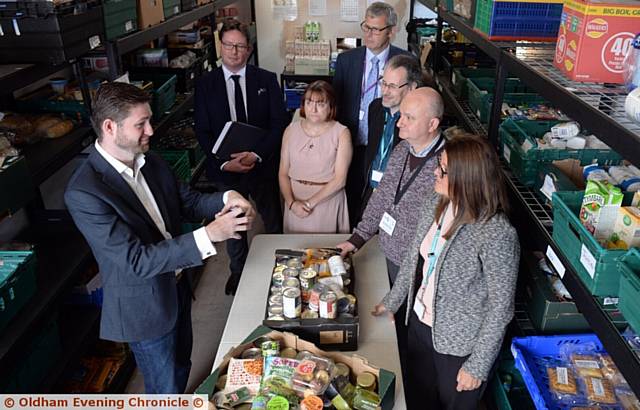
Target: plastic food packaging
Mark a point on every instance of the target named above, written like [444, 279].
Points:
[312, 376]
[561, 380]
[599, 391]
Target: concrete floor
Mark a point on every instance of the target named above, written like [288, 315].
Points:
[209, 315]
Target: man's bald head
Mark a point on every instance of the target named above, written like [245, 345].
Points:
[420, 113]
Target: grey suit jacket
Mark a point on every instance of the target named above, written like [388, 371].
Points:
[136, 262]
[475, 282]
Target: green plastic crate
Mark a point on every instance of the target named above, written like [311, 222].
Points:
[171, 8]
[17, 283]
[526, 164]
[630, 287]
[179, 162]
[460, 75]
[16, 185]
[163, 93]
[508, 389]
[552, 316]
[480, 91]
[580, 247]
[120, 18]
[46, 100]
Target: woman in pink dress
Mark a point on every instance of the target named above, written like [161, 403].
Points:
[315, 157]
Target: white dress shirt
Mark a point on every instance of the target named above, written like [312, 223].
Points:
[383, 56]
[135, 179]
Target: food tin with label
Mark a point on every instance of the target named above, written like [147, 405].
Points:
[309, 314]
[291, 273]
[275, 299]
[277, 278]
[291, 303]
[276, 290]
[367, 381]
[342, 369]
[327, 307]
[260, 340]
[314, 295]
[275, 310]
[295, 263]
[291, 283]
[336, 266]
[311, 402]
[307, 281]
[270, 348]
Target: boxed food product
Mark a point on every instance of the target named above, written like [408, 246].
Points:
[150, 12]
[599, 209]
[281, 372]
[626, 232]
[594, 37]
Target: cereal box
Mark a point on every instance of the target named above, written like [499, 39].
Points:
[594, 37]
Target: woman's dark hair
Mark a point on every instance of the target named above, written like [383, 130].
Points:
[476, 183]
[325, 90]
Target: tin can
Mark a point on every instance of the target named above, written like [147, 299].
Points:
[311, 403]
[277, 278]
[275, 317]
[307, 281]
[275, 310]
[342, 369]
[314, 296]
[309, 314]
[291, 273]
[270, 348]
[275, 299]
[290, 283]
[291, 303]
[252, 353]
[343, 305]
[276, 290]
[336, 266]
[260, 340]
[289, 352]
[279, 268]
[328, 308]
[367, 381]
[295, 263]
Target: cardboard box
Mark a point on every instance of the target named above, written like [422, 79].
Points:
[357, 364]
[311, 66]
[626, 233]
[150, 12]
[594, 37]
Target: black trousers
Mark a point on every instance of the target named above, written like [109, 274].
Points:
[401, 328]
[266, 195]
[432, 376]
[355, 184]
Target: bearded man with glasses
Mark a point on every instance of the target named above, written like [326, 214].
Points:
[243, 93]
[356, 85]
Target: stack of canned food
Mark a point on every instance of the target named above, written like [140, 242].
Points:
[314, 285]
[291, 379]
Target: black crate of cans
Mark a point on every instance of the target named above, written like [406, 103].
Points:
[311, 294]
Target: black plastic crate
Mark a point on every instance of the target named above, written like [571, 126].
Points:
[187, 5]
[40, 8]
[53, 39]
[186, 77]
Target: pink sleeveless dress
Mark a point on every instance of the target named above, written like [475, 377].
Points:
[313, 159]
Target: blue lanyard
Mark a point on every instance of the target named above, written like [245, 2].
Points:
[385, 148]
[433, 255]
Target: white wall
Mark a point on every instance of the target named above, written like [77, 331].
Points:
[272, 32]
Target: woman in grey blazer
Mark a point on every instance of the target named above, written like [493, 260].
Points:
[460, 300]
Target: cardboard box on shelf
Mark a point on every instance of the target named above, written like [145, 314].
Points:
[150, 12]
[357, 364]
[594, 37]
[311, 66]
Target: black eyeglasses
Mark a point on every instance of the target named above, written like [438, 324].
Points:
[443, 171]
[374, 30]
[392, 86]
[238, 47]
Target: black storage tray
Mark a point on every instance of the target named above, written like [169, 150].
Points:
[186, 76]
[328, 334]
[187, 5]
[54, 39]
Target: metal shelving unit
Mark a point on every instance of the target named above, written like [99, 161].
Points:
[596, 107]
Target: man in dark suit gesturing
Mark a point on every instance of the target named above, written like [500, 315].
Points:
[356, 85]
[244, 93]
[129, 206]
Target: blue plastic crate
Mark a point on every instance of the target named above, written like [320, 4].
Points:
[518, 20]
[531, 354]
[293, 98]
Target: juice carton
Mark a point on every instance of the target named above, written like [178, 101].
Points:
[594, 37]
[600, 209]
[626, 233]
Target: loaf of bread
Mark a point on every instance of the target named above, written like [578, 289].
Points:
[561, 380]
[42, 124]
[586, 365]
[60, 129]
[600, 390]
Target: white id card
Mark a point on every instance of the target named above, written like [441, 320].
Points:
[376, 176]
[387, 224]
[361, 115]
[418, 307]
